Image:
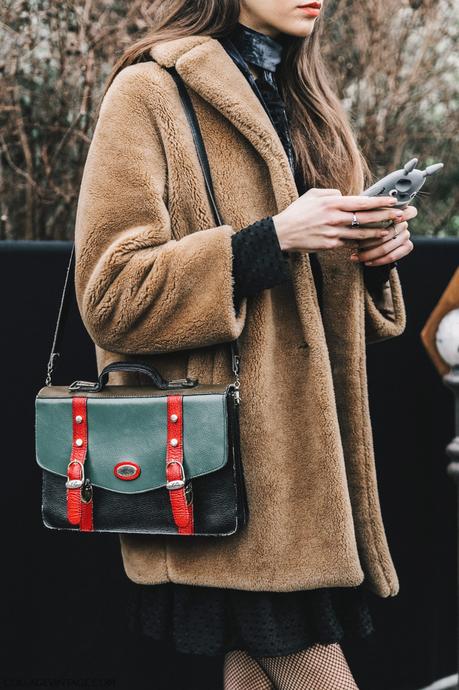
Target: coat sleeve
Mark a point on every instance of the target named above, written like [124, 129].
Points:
[138, 289]
[385, 315]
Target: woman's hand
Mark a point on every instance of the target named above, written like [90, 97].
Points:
[321, 219]
[391, 248]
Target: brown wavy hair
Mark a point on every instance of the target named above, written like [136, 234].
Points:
[324, 143]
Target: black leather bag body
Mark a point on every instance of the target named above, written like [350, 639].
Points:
[160, 458]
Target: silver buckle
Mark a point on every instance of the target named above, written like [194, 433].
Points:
[176, 483]
[75, 483]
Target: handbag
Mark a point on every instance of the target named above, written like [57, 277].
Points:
[159, 458]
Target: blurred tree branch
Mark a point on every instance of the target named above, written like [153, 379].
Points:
[395, 65]
[396, 69]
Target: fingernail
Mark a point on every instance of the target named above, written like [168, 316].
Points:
[368, 263]
[354, 257]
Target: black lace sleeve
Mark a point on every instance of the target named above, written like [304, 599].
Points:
[258, 260]
[259, 263]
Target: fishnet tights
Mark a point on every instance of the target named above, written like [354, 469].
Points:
[320, 667]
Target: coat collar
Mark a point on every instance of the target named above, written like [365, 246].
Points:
[205, 67]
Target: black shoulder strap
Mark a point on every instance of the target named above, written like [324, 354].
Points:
[204, 162]
[197, 136]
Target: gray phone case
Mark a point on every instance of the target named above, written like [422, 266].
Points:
[403, 184]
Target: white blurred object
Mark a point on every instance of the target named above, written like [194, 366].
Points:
[447, 338]
[444, 684]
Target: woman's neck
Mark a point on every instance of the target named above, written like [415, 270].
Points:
[249, 21]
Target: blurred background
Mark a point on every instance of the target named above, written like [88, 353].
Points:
[395, 66]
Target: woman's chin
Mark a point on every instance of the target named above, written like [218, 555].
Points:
[300, 28]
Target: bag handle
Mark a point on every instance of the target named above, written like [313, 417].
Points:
[204, 162]
[138, 367]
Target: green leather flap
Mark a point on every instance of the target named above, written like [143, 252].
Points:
[132, 429]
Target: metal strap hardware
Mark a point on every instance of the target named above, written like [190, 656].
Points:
[82, 385]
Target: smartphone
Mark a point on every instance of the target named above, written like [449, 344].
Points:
[403, 184]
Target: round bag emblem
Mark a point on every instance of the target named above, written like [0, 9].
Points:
[127, 470]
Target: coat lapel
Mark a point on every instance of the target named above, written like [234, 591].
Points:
[206, 67]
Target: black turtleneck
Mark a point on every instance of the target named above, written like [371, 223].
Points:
[258, 261]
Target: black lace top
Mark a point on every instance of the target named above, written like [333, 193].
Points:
[211, 620]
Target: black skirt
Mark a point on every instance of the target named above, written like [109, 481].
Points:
[212, 621]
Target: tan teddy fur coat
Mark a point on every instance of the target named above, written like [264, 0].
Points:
[154, 278]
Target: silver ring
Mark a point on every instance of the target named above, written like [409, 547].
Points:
[354, 220]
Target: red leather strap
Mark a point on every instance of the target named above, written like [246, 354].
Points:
[182, 511]
[78, 512]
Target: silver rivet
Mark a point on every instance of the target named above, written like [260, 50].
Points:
[174, 442]
[79, 442]
[78, 418]
[173, 417]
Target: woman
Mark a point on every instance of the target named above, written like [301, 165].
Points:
[287, 275]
